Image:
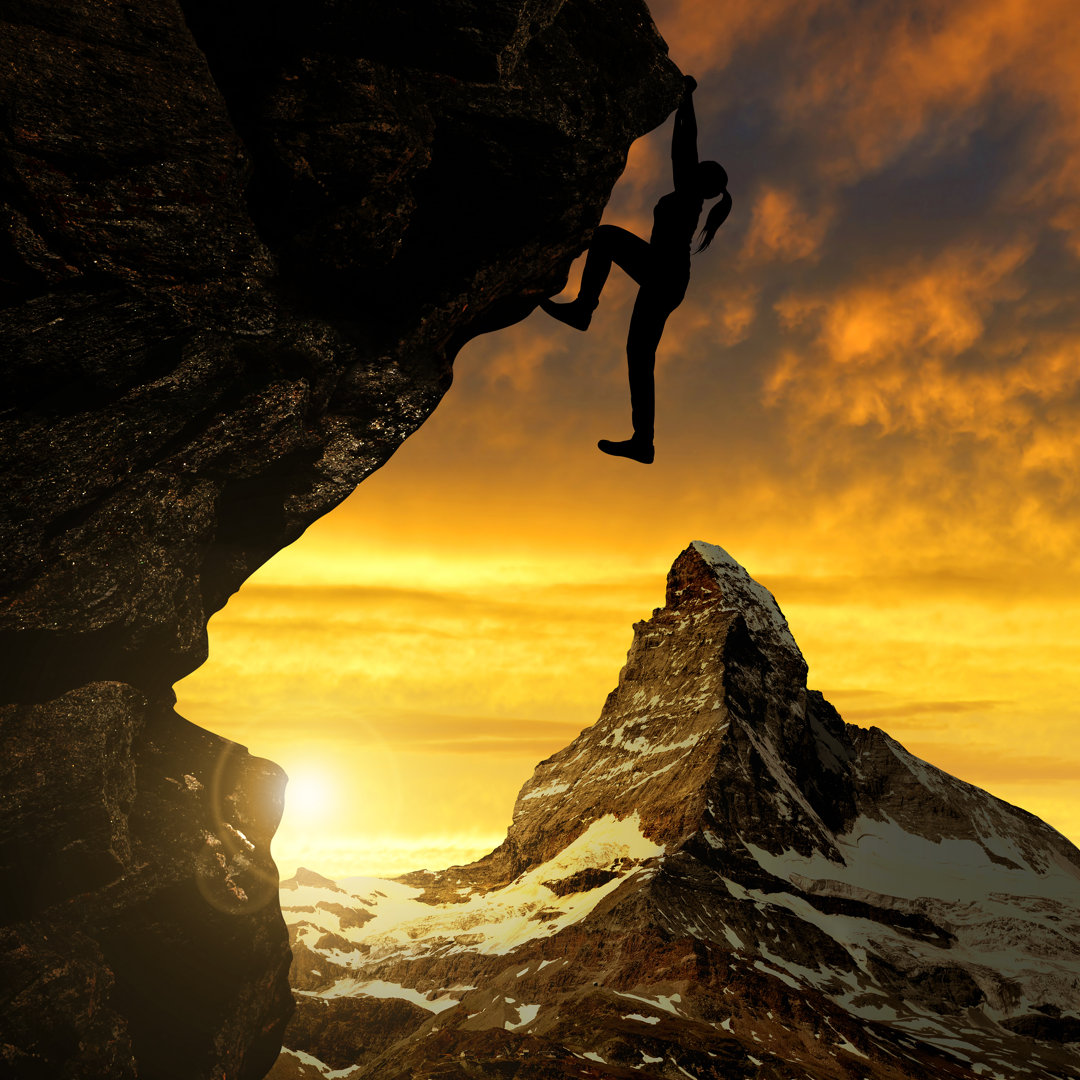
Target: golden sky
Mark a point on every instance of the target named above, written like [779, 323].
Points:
[870, 397]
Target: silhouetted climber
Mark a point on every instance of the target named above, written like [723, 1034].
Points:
[661, 268]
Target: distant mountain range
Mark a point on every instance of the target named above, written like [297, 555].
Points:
[718, 879]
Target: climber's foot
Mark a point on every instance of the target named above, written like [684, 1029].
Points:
[577, 313]
[635, 448]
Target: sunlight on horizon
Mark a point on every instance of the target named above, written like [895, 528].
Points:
[408, 724]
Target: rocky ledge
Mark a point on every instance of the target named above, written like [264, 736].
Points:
[718, 879]
[240, 247]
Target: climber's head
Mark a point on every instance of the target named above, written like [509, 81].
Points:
[710, 179]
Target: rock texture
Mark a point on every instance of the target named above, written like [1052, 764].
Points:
[240, 246]
[720, 878]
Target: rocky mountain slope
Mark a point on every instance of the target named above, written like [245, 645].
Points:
[240, 245]
[720, 878]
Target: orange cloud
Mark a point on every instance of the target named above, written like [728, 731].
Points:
[865, 82]
[883, 351]
[781, 229]
[734, 314]
[521, 365]
[703, 35]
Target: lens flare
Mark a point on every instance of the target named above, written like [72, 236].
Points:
[308, 797]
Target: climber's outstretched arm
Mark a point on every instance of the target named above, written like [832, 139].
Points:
[684, 155]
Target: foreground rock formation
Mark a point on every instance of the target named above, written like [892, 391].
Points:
[241, 245]
[719, 879]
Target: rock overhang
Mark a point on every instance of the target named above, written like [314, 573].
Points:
[192, 379]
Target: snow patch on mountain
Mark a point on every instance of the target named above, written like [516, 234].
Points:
[378, 988]
[883, 859]
[324, 1070]
[666, 1002]
[526, 1015]
[487, 923]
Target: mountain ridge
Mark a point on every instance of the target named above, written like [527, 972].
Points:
[720, 878]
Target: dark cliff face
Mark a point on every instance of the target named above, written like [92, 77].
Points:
[241, 245]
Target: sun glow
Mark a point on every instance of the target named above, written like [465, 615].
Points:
[309, 796]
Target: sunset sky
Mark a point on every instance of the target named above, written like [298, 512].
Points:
[870, 398]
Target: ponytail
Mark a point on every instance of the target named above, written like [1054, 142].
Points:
[717, 216]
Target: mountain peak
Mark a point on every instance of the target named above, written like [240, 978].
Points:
[304, 878]
[706, 574]
[713, 676]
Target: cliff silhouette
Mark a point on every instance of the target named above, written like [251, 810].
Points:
[241, 247]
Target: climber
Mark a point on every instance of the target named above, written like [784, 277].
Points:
[661, 268]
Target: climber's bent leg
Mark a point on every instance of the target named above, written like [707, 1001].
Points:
[610, 244]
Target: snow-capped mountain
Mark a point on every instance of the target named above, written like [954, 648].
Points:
[720, 878]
